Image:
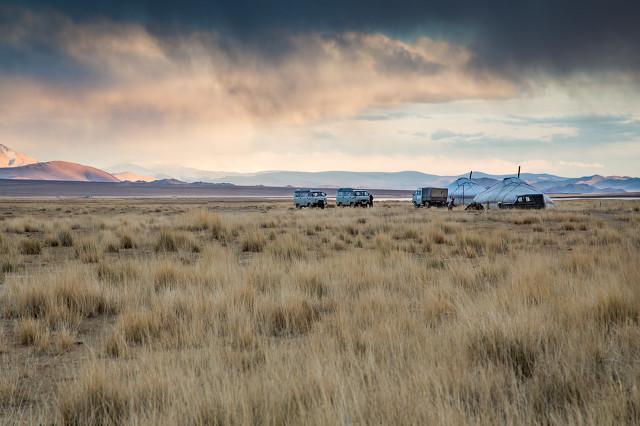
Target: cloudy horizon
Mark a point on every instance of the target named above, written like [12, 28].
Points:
[437, 87]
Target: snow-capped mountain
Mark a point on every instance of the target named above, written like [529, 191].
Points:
[11, 158]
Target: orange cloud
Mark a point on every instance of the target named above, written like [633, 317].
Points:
[214, 95]
[195, 79]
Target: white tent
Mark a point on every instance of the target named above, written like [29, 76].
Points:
[507, 193]
[463, 190]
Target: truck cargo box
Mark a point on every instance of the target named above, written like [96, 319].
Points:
[429, 196]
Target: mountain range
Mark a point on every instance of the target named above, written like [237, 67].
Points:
[15, 165]
[385, 180]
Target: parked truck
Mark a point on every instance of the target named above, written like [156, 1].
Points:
[309, 198]
[428, 197]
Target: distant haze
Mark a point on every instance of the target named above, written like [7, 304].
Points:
[405, 180]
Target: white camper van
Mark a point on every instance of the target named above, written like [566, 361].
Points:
[309, 198]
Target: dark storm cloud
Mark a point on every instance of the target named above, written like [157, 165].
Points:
[509, 36]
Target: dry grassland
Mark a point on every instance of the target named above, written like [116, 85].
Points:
[196, 312]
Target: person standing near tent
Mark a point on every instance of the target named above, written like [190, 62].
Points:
[452, 203]
[370, 200]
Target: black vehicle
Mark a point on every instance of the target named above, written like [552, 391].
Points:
[527, 201]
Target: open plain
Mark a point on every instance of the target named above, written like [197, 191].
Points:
[238, 312]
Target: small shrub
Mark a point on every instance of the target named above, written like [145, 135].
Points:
[527, 220]
[126, 242]
[313, 284]
[384, 244]
[287, 248]
[10, 264]
[65, 238]
[31, 228]
[165, 275]
[59, 299]
[291, 318]
[30, 247]
[31, 332]
[61, 341]
[87, 251]
[118, 272]
[4, 246]
[616, 309]
[112, 247]
[496, 347]
[139, 327]
[166, 243]
[437, 236]
[410, 234]
[339, 246]
[115, 345]
[51, 242]
[94, 399]
[253, 241]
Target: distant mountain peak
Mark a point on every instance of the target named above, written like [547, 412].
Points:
[133, 177]
[11, 158]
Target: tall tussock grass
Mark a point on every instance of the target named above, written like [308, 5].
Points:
[57, 298]
[213, 312]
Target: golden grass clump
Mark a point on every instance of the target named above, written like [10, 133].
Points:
[61, 299]
[253, 241]
[287, 248]
[30, 247]
[166, 242]
[99, 400]
[292, 317]
[65, 238]
[87, 251]
[170, 242]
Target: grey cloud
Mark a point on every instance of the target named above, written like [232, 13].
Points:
[512, 37]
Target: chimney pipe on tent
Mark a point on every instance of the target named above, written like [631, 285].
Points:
[518, 172]
[470, 173]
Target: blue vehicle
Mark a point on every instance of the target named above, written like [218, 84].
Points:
[352, 197]
[309, 198]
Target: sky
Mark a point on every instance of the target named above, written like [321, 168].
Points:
[436, 86]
